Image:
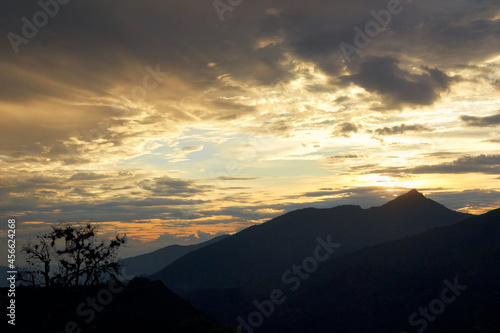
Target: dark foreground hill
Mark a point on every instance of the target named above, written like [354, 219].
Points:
[140, 306]
[152, 262]
[270, 248]
[444, 280]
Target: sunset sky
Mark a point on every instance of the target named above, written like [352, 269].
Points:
[174, 120]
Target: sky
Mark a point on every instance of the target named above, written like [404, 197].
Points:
[175, 121]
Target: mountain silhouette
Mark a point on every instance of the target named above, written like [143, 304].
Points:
[152, 262]
[378, 288]
[139, 306]
[270, 248]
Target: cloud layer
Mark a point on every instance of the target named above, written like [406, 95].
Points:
[157, 117]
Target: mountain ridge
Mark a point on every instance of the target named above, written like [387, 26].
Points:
[269, 248]
[401, 272]
[390, 280]
[154, 261]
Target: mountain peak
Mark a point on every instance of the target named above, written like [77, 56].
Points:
[411, 198]
[414, 194]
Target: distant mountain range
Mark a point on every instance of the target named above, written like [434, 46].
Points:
[152, 262]
[144, 264]
[411, 265]
[452, 271]
[272, 247]
[386, 263]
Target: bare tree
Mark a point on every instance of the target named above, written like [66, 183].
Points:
[71, 256]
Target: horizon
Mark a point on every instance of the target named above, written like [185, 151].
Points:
[176, 122]
[203, 238]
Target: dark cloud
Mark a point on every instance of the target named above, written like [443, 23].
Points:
[89, 62]
[365, 196]
[488, 121]
[318, 194]
[185, 36]
[87, 176]
[456, 35]
[166, 187]
[337, 158]
[448, 32]
[88, 59]
[229, 110]
[383, 76]
[489, 164]
[347, 128]
[200, 236]
[402, 129]
[238, 178]
[473, 197]
[486, 164]
[323, 48]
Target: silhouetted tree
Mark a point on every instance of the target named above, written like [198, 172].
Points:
[71, 256]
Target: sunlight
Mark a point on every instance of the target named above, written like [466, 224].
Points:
[386, 181]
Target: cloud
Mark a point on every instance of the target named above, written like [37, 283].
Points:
[70, 114]
[347, 128]
[383, 76]
[166, 187]
[488, 121]
[180, 154]
[486, 164]
[489, 164]
[335, 159]
[301, 39]
[489, 199]
[238, 178]
[402, 129]
[364, 196]
[87, 176]
[167, 239]
[456, 35]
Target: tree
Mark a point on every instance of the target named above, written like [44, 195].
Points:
[71, 256]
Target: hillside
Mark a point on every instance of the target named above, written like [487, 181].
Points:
[152, 262]
[140, 306]
[385, 284]
[270, 248]
[378, 288]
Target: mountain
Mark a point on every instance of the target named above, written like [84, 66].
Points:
[272, 247]
[454, 271]
[152, 262]
[140, 306]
